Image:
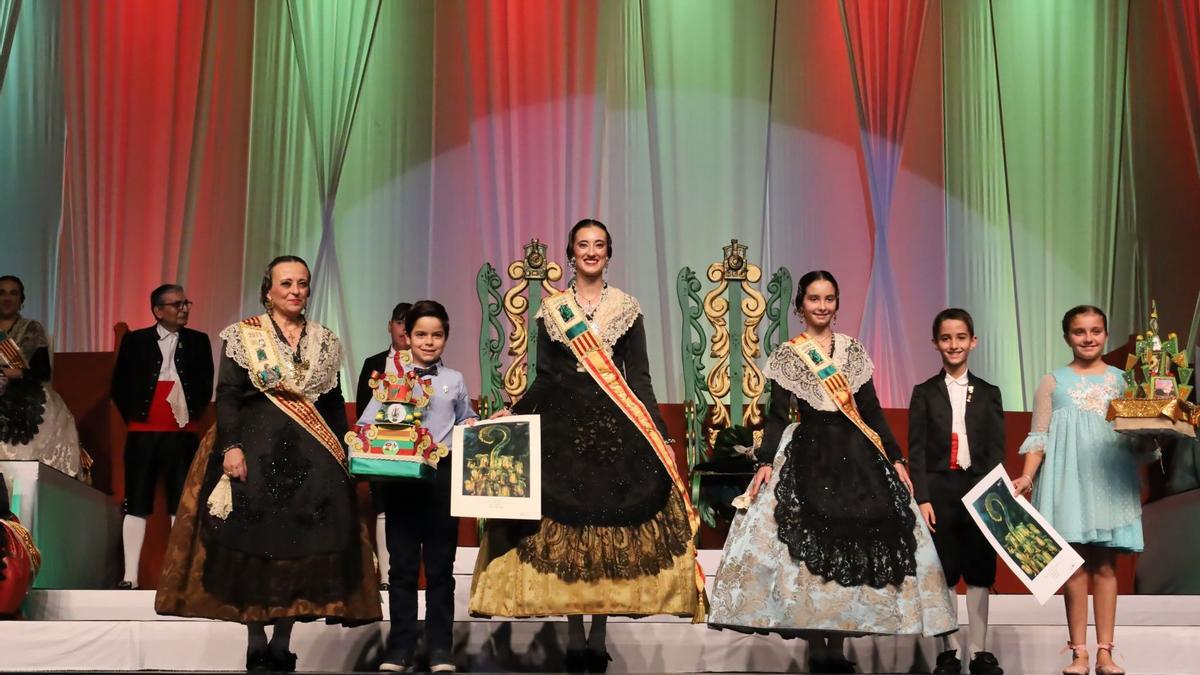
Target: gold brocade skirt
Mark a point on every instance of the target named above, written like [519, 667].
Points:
[505, 585]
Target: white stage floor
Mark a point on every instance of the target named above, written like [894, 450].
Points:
[118, 630]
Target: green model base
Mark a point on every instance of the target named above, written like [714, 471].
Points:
[385, 469]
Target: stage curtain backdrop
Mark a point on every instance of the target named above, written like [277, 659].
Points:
[152, 191]
[884, 39]
[10, 10]
[31, 149]
[1061, 71]
[1183, 29]
[986, 160]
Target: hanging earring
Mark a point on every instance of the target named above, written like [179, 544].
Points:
[605, 274]
[571, 263]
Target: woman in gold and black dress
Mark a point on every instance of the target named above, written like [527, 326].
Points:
[615, 536]
[268, 531]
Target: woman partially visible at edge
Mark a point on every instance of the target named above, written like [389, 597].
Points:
[34, 421]
[832, 544]
[616, 536]
[291, 548]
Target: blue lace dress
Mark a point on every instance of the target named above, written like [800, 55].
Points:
[1088, 485]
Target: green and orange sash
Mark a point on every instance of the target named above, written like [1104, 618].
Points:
[268, 376]
[834, 383]
[562, 309]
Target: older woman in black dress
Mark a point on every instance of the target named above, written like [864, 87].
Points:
[268, 531]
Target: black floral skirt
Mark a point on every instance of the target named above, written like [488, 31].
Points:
[841, 508]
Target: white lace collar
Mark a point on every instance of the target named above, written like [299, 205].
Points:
[612, 319]
[787, 369]
[321, 350]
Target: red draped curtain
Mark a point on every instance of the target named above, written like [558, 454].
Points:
[883, 38]
[155, 160]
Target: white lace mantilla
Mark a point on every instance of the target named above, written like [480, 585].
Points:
[322, 350]
[612, 319]
[787, 368]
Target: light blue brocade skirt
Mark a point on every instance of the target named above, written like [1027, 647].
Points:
[761, 588]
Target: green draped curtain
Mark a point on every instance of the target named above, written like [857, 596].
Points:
[399, 145]
[31, 148]
[1061, 72]
[977, 199]
[332, 47]
[9, 11]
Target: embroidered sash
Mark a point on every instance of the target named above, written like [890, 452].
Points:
[267, 375]
[10, 353]
[834, 383]
[569, 318]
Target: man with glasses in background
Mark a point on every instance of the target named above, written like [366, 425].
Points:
[162, 382]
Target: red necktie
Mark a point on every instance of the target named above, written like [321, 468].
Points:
[954, 452]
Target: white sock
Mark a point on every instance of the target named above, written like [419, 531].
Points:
[172, 521]
[949, 642]
[977, 619]
[381, 552]
[133, 534]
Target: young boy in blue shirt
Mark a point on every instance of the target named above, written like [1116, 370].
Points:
[417, 516]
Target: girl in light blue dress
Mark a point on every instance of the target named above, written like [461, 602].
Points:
[1085, 481]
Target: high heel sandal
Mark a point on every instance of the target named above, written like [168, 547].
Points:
[1113, 669]
[1077, 652]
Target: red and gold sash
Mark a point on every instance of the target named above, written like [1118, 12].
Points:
[834, 383]
[566, 314]
[10, 353]
[267, 375]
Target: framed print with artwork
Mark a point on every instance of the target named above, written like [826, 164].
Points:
[1164, 387]
[1036, 553]
[497, 469]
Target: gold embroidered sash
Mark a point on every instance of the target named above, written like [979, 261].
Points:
[834, 383]
[566, 314]
[10, 353]
[267, 375]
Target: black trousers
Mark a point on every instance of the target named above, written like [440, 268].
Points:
[153, 454]
[419, 528]
[962, 548]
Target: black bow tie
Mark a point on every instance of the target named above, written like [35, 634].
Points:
[426, 372]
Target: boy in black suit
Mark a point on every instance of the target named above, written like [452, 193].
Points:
[390, 360]
[955, 436]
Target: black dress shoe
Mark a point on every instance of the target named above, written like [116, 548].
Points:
[282, 663]
[126, 586]
[837, 664]
[258, 662]
[597, 660]
[947, 662]
[984, 663]
[840, 664]
[575, 661]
